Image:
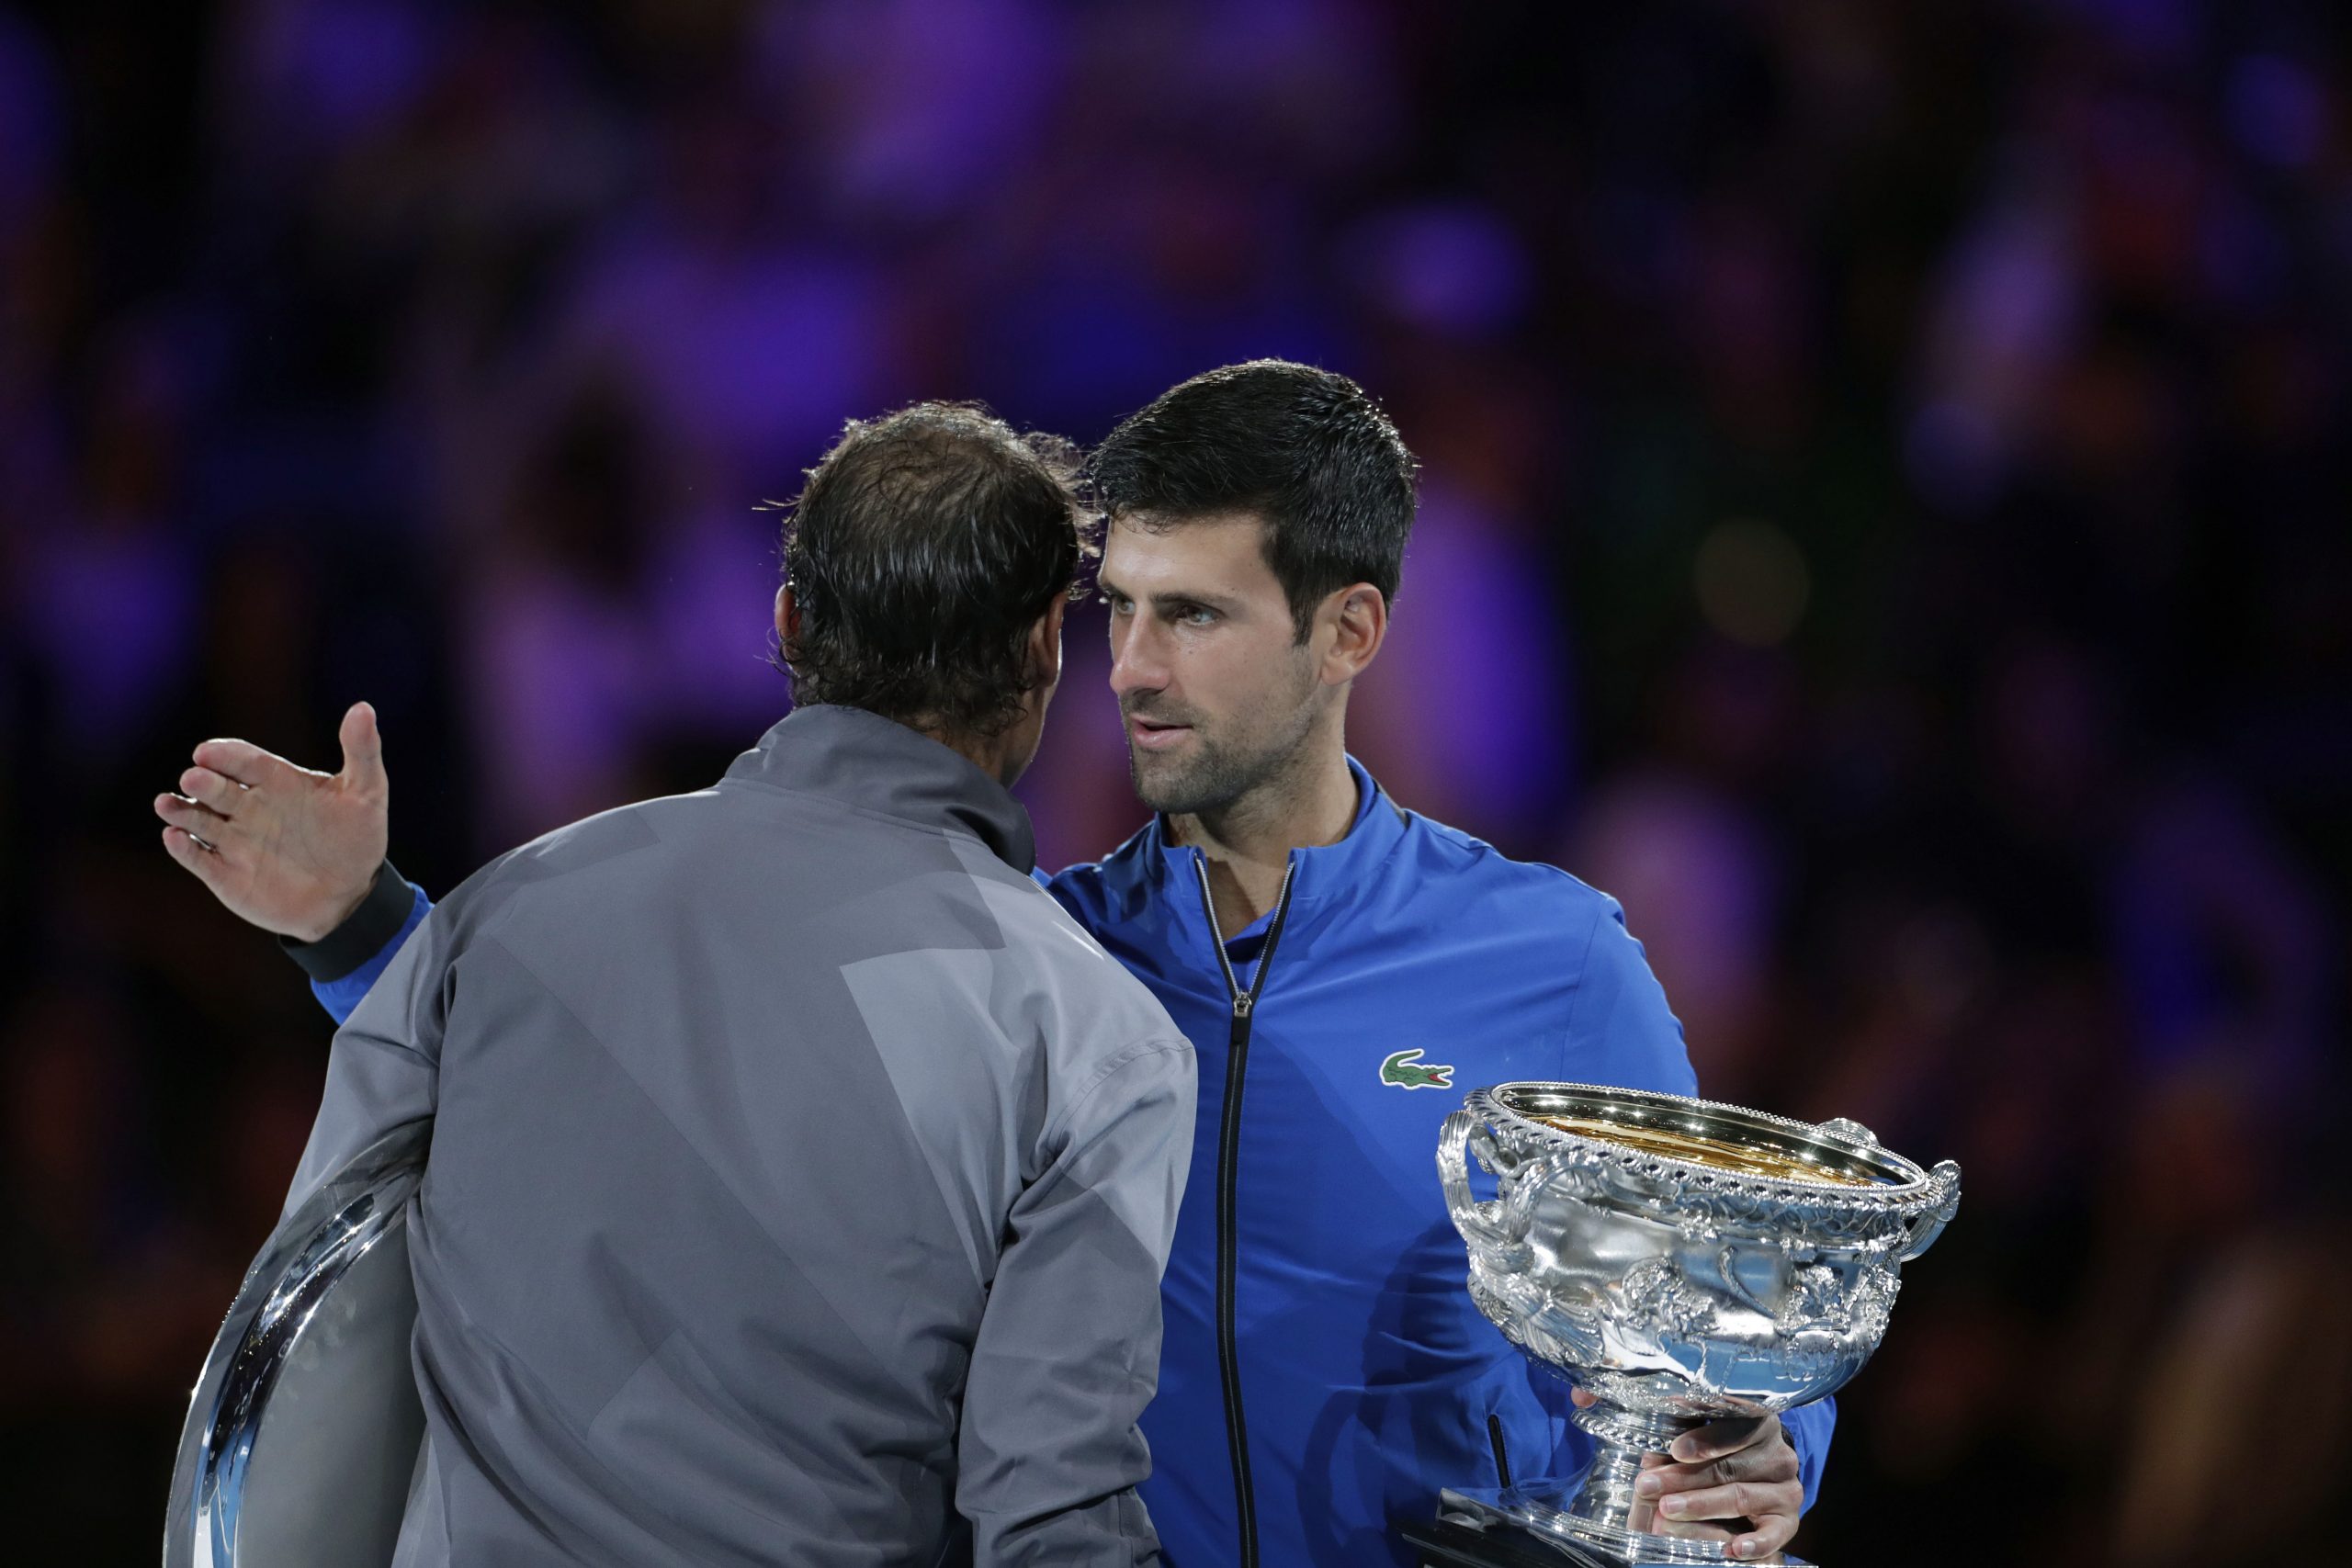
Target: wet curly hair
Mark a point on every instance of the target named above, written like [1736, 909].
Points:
[921, 552]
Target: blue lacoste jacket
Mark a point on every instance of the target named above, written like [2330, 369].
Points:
[1324, 1371]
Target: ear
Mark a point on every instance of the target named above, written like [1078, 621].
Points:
[1046, 642]
[1357, 618]
[787, 614]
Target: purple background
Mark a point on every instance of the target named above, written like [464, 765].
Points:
[1885, 518]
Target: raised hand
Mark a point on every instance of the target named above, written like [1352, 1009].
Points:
[290, 850]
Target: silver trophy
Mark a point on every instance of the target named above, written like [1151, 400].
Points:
[303, 1433]
[1680, 1260]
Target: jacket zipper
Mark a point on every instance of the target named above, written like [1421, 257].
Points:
[1229, 1148]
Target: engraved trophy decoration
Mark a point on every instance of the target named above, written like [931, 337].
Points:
[1682, 1261]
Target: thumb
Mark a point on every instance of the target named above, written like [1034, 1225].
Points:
[363, 752]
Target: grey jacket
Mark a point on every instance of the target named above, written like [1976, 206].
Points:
[801, 1179]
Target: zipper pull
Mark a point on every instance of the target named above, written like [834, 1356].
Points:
[1242, 1001]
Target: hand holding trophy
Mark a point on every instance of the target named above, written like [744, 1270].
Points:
[1681, 1262]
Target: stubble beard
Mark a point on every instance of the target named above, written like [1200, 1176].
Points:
[1219, 773]
[1211, 777]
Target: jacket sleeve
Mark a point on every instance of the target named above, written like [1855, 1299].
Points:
[348, 961]
[1620, 1029]
[384, 1068]
[1068, 1352]
[1809, 1427]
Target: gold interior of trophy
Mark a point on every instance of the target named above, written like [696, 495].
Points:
[1717, 1153]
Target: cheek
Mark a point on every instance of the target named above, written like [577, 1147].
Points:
[1248, 688]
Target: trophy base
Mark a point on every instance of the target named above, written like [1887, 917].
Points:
[1525, 1526]
[1444, 1543]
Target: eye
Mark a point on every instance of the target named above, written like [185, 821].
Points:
[1119, 606]
[1195, 616]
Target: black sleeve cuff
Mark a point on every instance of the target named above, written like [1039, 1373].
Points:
[378, 919]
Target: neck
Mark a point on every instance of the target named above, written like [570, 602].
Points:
[992, 755]
[1246, 842]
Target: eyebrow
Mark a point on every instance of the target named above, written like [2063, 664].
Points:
[1172, 596]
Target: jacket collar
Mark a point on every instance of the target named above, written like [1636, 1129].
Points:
[1319, 871]
[878, 764]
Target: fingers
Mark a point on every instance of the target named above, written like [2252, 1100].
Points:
[1764, 1515]
[1776, 1463]
[221, 794]
[243, 762]
[1717, 1438]
[1583, 1400]
[198, 822]
[1644, 1516]
[1770, 1535]
[183, 847]
[1729, 1500]
[1735, 1481]
[363, 751]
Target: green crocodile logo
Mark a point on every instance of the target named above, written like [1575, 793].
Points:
[1403, 1069]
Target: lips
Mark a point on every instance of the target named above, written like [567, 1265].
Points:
[1150, 737]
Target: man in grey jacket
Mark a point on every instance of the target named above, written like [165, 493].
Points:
[801, 1175]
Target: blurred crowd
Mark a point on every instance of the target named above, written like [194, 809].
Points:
[1886, 518]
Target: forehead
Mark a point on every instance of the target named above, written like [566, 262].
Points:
[1221, 551]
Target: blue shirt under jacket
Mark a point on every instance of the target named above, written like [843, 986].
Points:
[1362, 1377]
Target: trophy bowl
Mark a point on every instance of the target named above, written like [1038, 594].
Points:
[1680, 1260]
[304, 1428]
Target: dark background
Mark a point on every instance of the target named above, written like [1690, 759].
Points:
[1885, 518]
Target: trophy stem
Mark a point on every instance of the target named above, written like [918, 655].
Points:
[1620, 1437]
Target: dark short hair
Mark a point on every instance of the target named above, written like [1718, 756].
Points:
[1307, 450]
[921, 552]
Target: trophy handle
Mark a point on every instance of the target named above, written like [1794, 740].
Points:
[1500, 1246]
[1943, 1187]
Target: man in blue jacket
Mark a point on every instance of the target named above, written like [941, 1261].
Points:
[1330, 955]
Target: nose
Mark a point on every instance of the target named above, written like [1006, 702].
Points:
[1138, 662]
